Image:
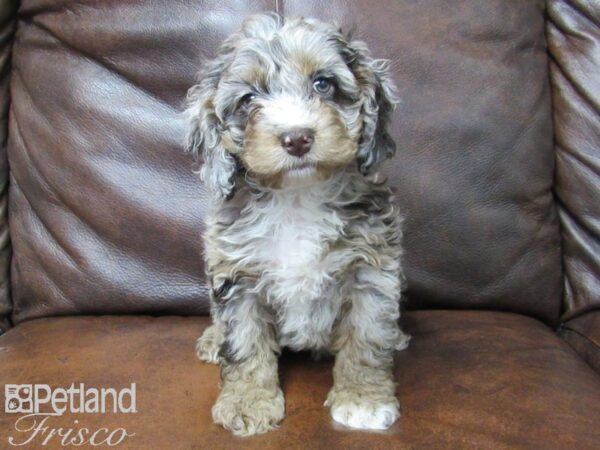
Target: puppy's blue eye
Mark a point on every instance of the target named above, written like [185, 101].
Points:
[323, 86]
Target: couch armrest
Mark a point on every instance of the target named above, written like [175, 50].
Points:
[573, 33]
[8, 11]
[583, 334]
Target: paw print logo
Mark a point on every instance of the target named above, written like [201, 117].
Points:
[18, 398]
[13, 404]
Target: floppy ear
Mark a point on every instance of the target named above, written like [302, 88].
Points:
[203, 137]
[378, 102]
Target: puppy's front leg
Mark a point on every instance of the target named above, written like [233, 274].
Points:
[251, 401]
[363, 394]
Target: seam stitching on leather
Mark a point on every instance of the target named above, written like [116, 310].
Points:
[583, 336]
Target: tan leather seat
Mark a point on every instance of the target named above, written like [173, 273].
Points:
[469, 380]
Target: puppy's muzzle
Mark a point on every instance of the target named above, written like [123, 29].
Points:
[298, 141]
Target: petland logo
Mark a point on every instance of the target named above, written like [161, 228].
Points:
[39, 403]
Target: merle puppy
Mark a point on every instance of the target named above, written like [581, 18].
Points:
[302, 244]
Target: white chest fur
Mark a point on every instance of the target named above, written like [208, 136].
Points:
[297, 271]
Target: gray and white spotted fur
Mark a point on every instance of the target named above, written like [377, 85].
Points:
[301, 252]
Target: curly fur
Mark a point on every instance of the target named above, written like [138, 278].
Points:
[301, 252]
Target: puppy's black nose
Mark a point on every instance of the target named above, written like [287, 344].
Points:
[297, 142]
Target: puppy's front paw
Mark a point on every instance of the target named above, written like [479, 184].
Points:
[249, 410]
[365, 410]
[208, 345]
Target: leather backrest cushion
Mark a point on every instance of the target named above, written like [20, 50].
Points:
[106, 214]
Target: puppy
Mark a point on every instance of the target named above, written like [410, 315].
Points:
[302, 243]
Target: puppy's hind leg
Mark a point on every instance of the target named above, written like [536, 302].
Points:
[209, 344]
[403, 341]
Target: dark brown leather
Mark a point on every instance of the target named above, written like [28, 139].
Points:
[583, 334]
[107, 215]
[574, 44]
[468, 380]
[8, 9]
[475, 158]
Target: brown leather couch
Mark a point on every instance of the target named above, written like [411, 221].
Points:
[498, 174]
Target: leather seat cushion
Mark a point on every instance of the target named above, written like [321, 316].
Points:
[469, 379]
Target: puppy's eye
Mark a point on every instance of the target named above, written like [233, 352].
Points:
[323, 86]
[246, 100]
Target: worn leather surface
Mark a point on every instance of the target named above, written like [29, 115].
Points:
[468, 380]
[106, 214]
[583, 334]
[574, 44]
[8, 9]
